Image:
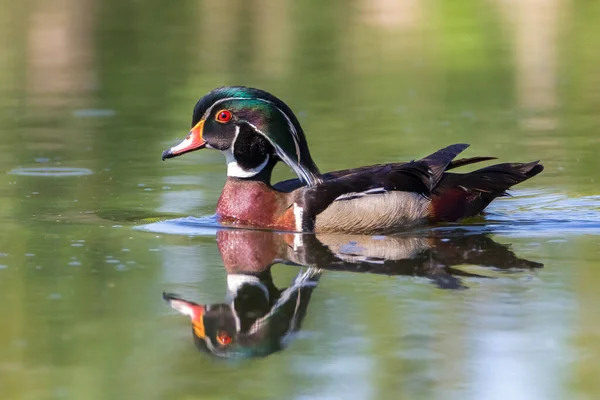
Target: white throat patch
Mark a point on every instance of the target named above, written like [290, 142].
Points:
[233, 168]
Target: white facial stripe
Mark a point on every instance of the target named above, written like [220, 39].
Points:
[237, 132]
[304, 279]
[291, 126]
[207, 113]
[292, 131]
[302, 173]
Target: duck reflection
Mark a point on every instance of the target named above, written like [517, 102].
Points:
[257, 318]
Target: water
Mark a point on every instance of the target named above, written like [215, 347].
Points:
[95, 227]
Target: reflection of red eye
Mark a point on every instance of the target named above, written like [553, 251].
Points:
[223, 338]
[223, 116]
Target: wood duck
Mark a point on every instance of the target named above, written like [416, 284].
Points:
[257, 318]
[255, 130]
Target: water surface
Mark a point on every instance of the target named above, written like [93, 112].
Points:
[503, 306]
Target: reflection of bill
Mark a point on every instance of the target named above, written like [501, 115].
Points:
[257, 318]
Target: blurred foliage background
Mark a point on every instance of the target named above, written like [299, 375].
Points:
[107, 85]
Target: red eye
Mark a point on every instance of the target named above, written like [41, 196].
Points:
[223, 116]
[223, 338]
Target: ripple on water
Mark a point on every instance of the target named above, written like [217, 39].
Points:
[190, 226]
[545, 213]
[51, 171]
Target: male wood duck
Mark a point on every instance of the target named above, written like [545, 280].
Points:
[254, 130]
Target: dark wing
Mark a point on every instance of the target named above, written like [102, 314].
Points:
[293, 184]
[420, 176]
[439, 161]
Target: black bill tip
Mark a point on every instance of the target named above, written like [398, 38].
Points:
[166, 154]
[169, 296]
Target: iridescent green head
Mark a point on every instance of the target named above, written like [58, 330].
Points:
[253, 129]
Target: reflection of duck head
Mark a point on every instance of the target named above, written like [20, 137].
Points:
[257, 318]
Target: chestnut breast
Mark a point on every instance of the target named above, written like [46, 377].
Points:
[255, 203]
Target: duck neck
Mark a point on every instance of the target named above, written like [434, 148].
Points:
[264, 176]
[261, 172]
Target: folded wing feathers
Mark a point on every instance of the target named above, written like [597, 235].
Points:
[356, 195]
[419, 176]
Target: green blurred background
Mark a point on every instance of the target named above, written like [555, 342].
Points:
[107, 85]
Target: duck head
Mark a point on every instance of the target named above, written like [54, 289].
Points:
[253, 129]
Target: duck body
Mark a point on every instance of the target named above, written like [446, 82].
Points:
[255, 130]
[256, 204]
